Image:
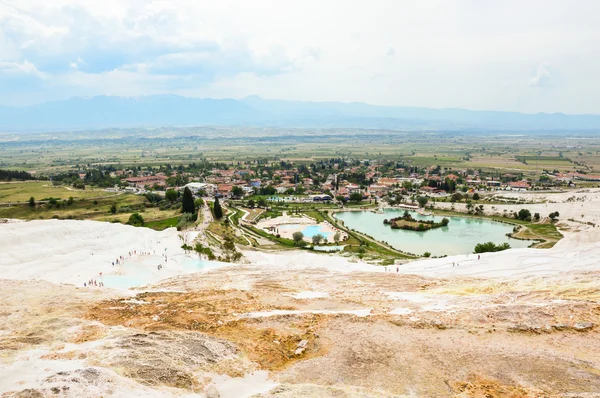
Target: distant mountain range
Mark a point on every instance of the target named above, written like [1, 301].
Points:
[171, 110]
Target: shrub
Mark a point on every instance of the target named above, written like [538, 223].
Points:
[136, 220]
[524, 215]
[490, 247]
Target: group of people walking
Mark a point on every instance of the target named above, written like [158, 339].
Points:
[121, 261]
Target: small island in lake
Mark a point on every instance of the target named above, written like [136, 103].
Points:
[409, 223]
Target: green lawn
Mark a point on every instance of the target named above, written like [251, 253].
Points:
[165, 223]
[12, 192]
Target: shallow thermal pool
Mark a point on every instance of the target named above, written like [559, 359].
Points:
[308, 231]
[143, 271]
[459, 237]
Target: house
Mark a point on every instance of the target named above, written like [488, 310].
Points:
[387, 181]
[586, 177]
[493, 183]
[196, 187]
[353, 188]
[518, 186]
[141, 182]
[378, 190]
[248, 190]
[473, 182]
[281, 188]
[320, 198]
[224, 190]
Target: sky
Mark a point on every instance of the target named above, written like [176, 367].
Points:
[526, 56]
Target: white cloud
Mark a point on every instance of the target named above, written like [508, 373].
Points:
[541, 78]
[428, 53]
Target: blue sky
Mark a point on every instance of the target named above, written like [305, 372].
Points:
[528, 56]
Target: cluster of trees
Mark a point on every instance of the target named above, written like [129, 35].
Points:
[447, 185]
[356, 197]
[204, 250]
[298, 238]
[9, 175]
[415, 225]
[99, 178]
[52, 202]
[490, 247]
[260, 202]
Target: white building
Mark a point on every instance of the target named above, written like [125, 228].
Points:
[195, 187]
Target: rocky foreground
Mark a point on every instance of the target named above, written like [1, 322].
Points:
[249, 331]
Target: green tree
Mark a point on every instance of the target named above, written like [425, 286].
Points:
[32, 202]
[136, 220]
[187, 202]
[113, 208]
[445, 221]
[469, 205]
[251, 203]
[524, 215]
[316, 239]
[237, 191]
[298, 237]
[456, 197]
[261, 202]
[422, 200]
[217, 209]
[198, 203]
[171, 195]
[70, 200]
[356, 197]
[553, 216]
[337, 237]
[476, 196]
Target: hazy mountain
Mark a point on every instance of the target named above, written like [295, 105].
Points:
[172, 110]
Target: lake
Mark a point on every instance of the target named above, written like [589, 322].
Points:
[459, 237]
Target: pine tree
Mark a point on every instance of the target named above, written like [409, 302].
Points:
[217, 210]
[188, 201]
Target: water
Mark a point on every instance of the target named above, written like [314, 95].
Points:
[308, 231]
[313, 230]
[329, 248]
[143, 271]
[459, 237]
